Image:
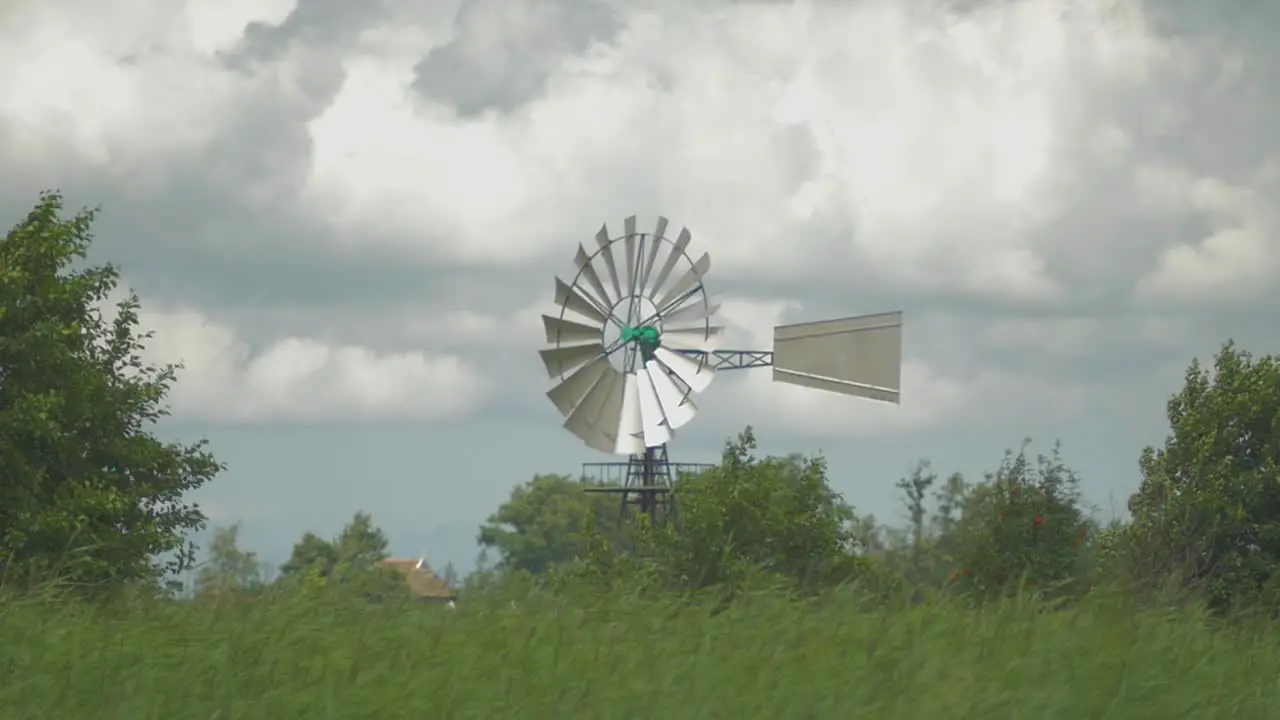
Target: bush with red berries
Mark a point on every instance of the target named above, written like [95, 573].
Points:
[1024, 529]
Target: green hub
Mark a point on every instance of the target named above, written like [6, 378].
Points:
[646, 336]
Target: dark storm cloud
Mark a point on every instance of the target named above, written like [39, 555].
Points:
[503, 51]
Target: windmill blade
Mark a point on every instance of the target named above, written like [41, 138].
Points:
[633, 267]
[609, 417]
[606, 252]
[690, 313]
[676, 405]
[630, 425]
[562, 332]
[705, 339]
[687, 281]
[570, 299]
[655, 244]
[597, 440]
[581, 421]
[571, 391]
[697, 374]
[677, 252]
[562, 360]
[585, 420]
[654, 424]
[583, 261]
[859, 356]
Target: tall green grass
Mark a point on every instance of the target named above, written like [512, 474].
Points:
[628, 658]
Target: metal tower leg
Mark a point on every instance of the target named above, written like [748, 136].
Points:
[647, 483]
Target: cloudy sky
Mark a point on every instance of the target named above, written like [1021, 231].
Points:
[345, 219]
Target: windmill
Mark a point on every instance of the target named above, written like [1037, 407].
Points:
[633, 341]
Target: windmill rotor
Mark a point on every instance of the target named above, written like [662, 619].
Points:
[618, 341]
[633, 341]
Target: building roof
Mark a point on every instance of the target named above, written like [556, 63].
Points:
[424, 583]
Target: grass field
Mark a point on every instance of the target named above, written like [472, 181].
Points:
[769, 658]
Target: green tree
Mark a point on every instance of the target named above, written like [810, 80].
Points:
[949, 502]
[361, 544]
[359, 548]
[541, 524]
[312, 552]
[228, 568]
[748, 516]
[1207, 513]
[348, 563]
[86, 490]
[915, 493]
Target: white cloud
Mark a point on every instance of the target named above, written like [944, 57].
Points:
[296, 379]
[460, 327]
[1061, 336]
[926, 147]
[218, 25]
[1236, 260]
[939, 145]
[1165, 329]
[124, 91]
[880, 142]
[443, 325]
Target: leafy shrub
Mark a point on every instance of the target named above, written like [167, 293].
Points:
[1023, 528]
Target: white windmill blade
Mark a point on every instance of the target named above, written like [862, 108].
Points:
[859, 356]
[609, 417]
[635, 266]
[697, 374]
[654, 424]
[571, 391]
[580, 421]
[631, 425]
[606, 252]
[571, 299]
[677, 252]
[690, 314]
[703, 338]
[629, 243]
[588, 420]
[597, 440]
[676, 405]
[568, 332]
[563, 360]
[655, 244]
[583, 261]
[686, 281]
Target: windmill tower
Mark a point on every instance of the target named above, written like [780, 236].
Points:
[631, 348]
